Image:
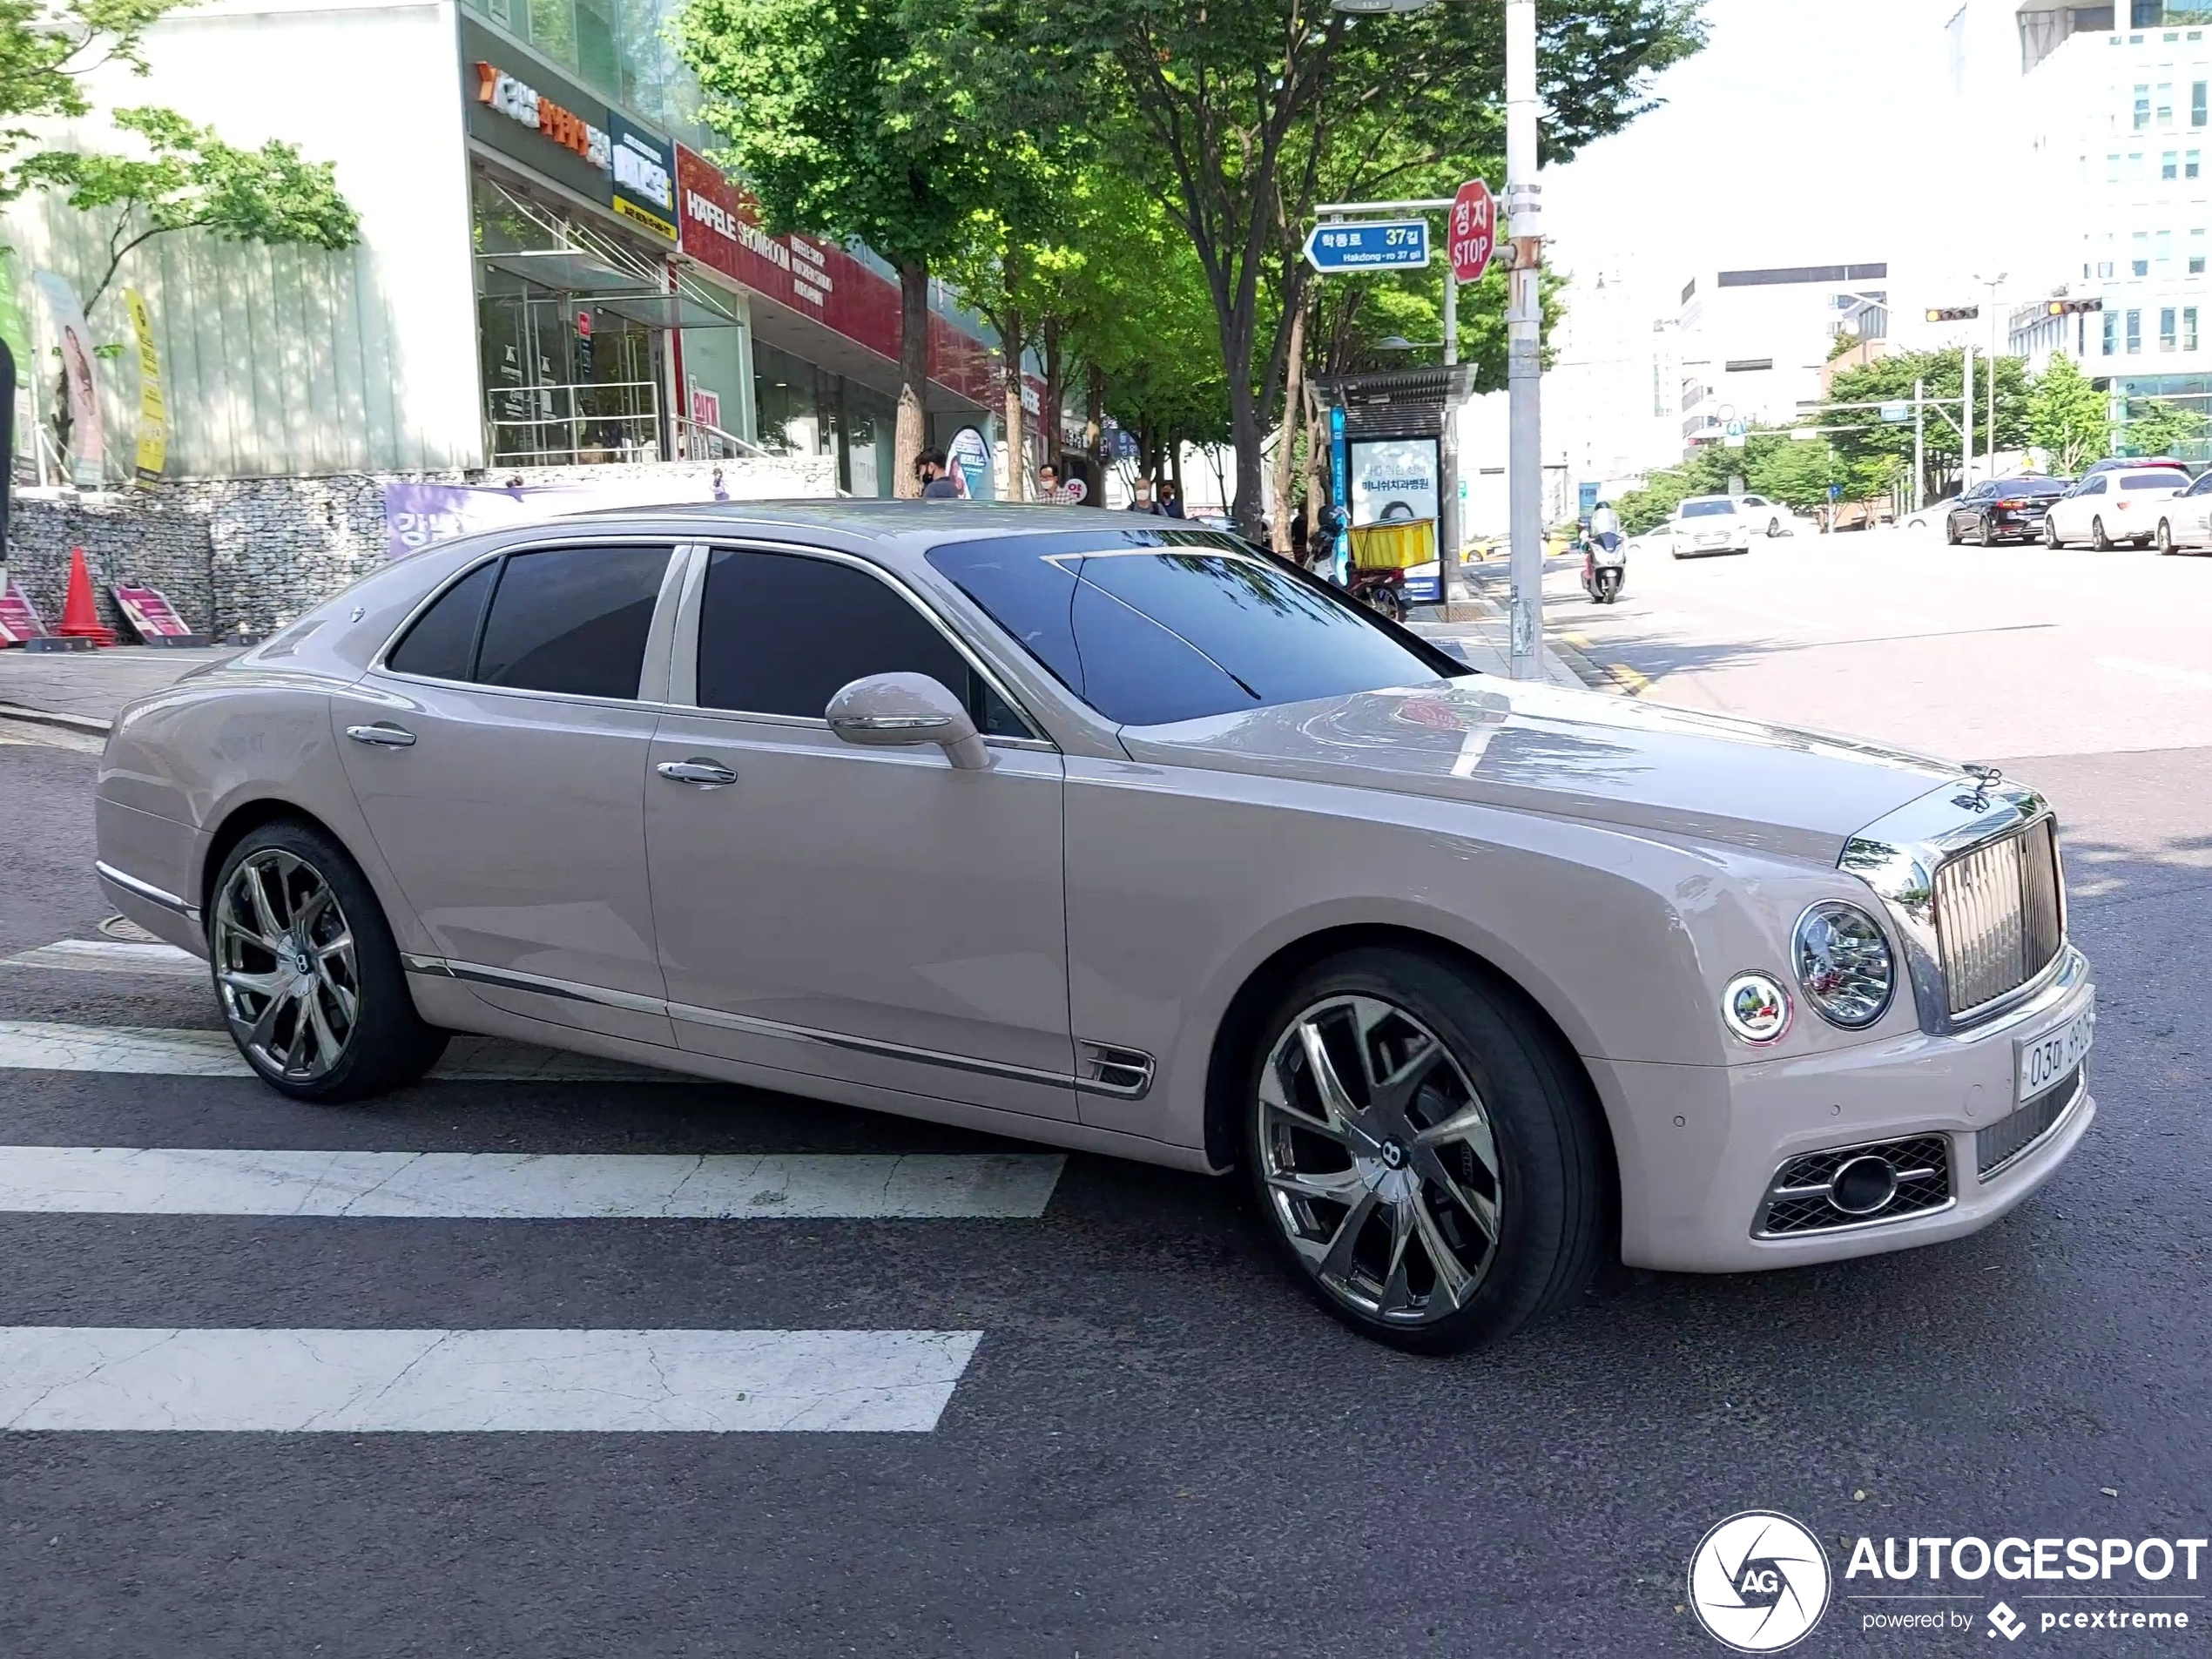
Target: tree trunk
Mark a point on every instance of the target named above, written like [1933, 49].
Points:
[1095, 416]
[1017, 471]
[913, 378]
[1053, 391]
[1286, 434]
[1175, 463]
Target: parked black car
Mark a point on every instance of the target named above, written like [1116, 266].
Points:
[2002, 509]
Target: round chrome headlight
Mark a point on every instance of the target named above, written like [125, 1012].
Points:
[1844, 964]
[1755, 1007]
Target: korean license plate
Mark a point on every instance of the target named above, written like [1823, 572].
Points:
[2051, 1056]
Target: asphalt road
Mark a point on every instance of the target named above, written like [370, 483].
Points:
[1159, 1447]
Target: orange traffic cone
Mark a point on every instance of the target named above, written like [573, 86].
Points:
[80, 619]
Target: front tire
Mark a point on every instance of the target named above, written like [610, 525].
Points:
[2098, 539]
[1950, 531]
[1425, 1157]
[2051, 536]
[2164, 536]
[307, 971]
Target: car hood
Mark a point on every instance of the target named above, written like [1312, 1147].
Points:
[1581, 754]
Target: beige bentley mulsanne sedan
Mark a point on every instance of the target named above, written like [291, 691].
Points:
[1126, 837]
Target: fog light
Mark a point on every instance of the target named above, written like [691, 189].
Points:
[1755, 1007]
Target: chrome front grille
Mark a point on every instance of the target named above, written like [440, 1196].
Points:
[1998, 915]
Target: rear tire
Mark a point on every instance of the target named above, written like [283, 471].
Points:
[1460, 1141]
[1950, 531]
[2051, 536]
[2164, 536]
[307, 974]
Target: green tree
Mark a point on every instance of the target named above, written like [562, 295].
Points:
[2068, 419]
[191, 179]
[1863, 439]
[46, 51]
[2161, 429]
[836, 120]
[1241, 114]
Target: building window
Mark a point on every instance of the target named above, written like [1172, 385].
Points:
[2142, 104]
[2166, 104]
[2165, 333]
[2135, 333]
[2134, 164]
[2138, 246]
[2104, 267]
[2170, 165]
[2188, 328]
[2199, 108]
[2112, 332]
[2112, 168]
[2193, 163]
[2165, 246]
[2197, 252]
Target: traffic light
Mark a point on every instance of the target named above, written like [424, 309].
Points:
[2071, 307]
[1953, 314]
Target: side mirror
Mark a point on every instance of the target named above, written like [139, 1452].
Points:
[889, 711]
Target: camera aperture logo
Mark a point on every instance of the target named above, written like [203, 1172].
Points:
[1759, 1582]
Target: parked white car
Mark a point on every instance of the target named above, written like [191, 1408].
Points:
[2185, 521]
[2106, 508]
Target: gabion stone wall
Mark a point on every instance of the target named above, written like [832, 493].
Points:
[252, 554]
[128, 539]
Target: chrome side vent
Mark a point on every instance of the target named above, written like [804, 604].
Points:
[1109, 1069]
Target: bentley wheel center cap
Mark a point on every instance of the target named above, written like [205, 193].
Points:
[1393, 1155]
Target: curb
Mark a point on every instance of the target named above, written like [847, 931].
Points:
[84, 723]
[1479, 607]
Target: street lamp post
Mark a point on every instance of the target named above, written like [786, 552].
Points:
[1524, 328]
[1993, 284]
[1524, 331]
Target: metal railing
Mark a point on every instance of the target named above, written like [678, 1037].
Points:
[561, 424]
[703, 441]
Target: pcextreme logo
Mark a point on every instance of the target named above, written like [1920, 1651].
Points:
[1759, 1582]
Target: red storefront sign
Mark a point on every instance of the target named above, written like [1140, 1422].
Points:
[721, 228]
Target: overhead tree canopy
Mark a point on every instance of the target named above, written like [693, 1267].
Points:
[2068, 418]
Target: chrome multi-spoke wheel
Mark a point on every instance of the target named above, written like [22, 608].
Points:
[285, 965]
[1379, 1160]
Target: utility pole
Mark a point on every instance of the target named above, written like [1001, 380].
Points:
[1524, 328]
[1993, 284]
[1448, 448]
[1966, 423]
[1919, 444]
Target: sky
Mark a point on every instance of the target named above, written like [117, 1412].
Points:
[1808, 131]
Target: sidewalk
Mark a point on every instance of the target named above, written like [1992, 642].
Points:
[87, 690]
[1478, 631]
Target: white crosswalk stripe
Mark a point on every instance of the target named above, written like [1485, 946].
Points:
[112, 956]
[100, 1378]
[505, 1186]
[363, 1382]
[36, 1045]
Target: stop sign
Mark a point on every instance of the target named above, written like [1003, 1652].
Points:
[1473, 230]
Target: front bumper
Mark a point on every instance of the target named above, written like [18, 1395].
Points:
[1699, 1145]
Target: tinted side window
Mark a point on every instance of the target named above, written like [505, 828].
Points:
[573, 620]
[442, 643]
[781, 633]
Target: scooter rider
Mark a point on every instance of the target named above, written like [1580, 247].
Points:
[1604, 557]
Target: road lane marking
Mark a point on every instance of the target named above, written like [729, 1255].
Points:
[50, 736]
[512, 1186]
[112, 956]
[1627, 679]
[71, 1378]
[2157, 671]
[34, 1045]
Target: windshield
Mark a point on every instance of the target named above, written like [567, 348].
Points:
[1153, 626]
[2154, 481]
[1708, 508]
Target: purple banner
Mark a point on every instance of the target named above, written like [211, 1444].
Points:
[419, 515]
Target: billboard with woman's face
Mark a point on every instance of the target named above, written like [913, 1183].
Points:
[1393, 479]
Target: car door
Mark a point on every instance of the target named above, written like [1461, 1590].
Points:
[498, 750]
[2071, 512]
[2194, 521]
[1965, 513]
[870, 914]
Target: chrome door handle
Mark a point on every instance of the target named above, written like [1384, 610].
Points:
[704, 773]
[383, 735]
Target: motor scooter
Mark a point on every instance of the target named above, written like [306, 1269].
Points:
[1605, 566]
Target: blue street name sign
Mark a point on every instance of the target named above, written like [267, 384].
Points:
[1369, 245]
